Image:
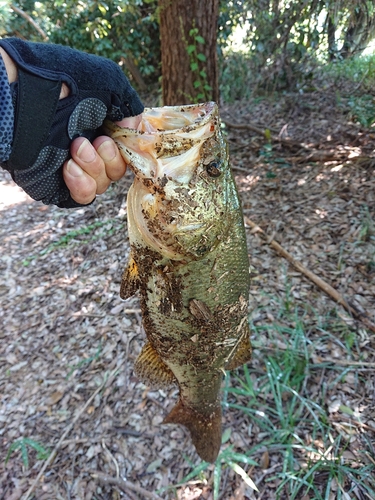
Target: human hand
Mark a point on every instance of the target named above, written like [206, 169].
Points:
[48, 130]
[94, 166]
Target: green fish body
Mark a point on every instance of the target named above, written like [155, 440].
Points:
[188, 261]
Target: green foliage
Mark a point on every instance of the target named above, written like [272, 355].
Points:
[362, 109]
[283, 43]
[124, 31]
[115, 29]
[5, 16]
[236, 77]
[359, 70]
[196, 57]
[22, 444]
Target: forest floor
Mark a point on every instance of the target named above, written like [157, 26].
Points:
[68, 342]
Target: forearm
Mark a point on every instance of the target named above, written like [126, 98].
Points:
[9, 66]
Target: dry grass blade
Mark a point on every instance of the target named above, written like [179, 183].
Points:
[124, 485]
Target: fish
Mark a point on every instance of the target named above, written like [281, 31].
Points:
[188, 261]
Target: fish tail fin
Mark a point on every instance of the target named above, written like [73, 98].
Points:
[205, 430]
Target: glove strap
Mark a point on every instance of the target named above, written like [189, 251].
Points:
[36, 106]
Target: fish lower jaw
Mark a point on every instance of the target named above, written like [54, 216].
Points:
[165, 250]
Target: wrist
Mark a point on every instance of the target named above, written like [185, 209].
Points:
[10, 66]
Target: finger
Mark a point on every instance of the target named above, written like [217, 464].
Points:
[64, 92]
[115, 165]
[82, 187]
[85, 155]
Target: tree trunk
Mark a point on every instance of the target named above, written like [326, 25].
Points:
[189, 67]
[331, 33]
[358, 34]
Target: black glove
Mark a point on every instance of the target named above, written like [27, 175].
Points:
[45, 126]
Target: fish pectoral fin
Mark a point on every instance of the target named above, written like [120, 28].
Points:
[152, 370]
[242, 355]
[205, 430]
[129, 280]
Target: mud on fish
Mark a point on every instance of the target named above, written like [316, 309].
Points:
[188, 261]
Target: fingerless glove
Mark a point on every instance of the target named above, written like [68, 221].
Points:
[45, 126]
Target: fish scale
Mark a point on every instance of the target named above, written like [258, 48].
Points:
[188, 261]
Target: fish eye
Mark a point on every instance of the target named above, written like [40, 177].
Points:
[213, 169]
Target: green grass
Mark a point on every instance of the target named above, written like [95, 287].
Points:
[356, 78]
[276, 395]
[23, 444]
[360, 70]
[83, 235]
[85, 361]
[236, 77]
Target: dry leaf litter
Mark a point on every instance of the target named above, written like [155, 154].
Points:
[65, 332]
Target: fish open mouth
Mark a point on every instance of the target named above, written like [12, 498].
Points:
[175, 119]
[163, 137]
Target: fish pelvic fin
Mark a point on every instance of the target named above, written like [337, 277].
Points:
[129, 280]
[242, 354]
[152, 370]
[205, 430]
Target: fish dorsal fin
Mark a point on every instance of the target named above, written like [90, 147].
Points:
[151, 369]
[205, 430]
[129, 280]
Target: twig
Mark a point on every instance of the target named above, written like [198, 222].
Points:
[328, 289]
[341, 418]
[29, 19]
[247, 126]
[124, 485]
[259, 131]
[347, 362]
[112, 458]
[65, 433]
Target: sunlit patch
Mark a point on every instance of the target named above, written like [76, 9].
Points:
[301, 182]
[337, 168]
[246, 183]
[260, 413]
[354, 152]
[322, 213]
[320, 177]
[11, 195]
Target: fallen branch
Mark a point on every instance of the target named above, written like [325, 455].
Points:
[52, 456]
[328, 289]
[275, 138]
[30, 20]
[124, 485]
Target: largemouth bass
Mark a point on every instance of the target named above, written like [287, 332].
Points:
[188, 261]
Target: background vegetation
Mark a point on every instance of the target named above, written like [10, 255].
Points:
[283, 41]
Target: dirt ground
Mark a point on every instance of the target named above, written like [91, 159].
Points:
[68, 342]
